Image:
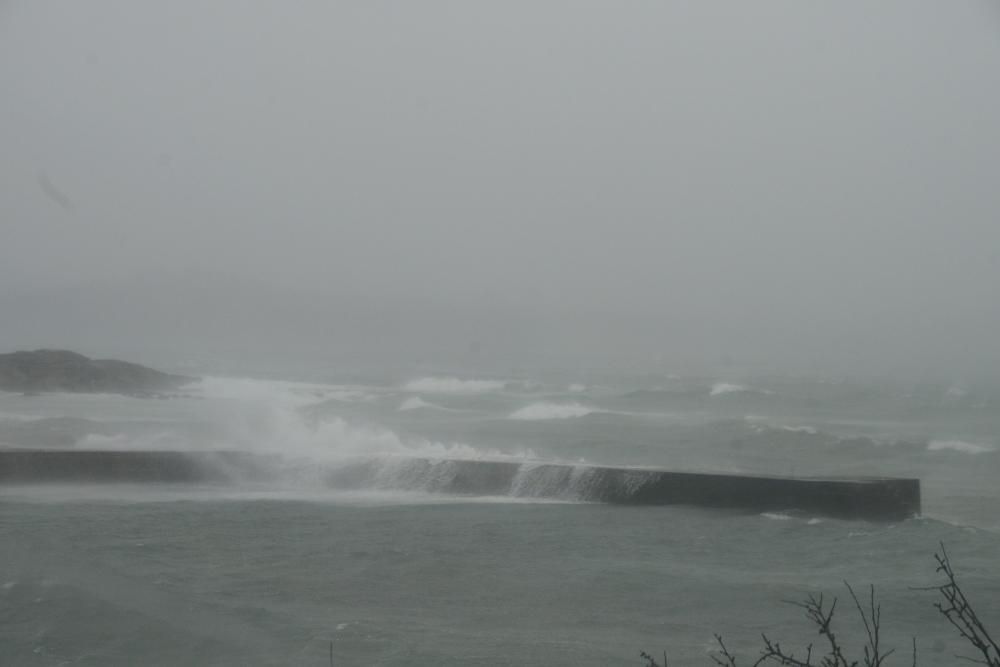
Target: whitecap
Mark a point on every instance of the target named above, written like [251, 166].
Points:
[542, 411]
[274, 417]
[349, 395]
[958, 446]
[809, 430]
[452, 385]
[722, 388]
[414, 403]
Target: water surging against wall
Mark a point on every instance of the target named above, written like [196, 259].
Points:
[318, 437]
[851, 498]
[566, 482]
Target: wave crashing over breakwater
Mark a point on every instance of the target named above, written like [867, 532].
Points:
[887, 499]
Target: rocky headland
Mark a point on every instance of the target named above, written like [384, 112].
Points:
[38, 371]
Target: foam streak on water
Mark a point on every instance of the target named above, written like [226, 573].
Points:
[542, 411]
[452, 385]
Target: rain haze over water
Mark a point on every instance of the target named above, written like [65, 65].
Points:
[385, 239]
[783, 186]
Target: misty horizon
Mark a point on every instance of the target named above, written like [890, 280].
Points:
[781, 188]
[457, 333]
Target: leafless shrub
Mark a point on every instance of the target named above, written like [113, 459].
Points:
[959, 612]
[955, 607]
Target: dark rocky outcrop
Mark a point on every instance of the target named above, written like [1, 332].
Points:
[62, 370]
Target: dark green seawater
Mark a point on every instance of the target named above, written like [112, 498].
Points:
[392, 575]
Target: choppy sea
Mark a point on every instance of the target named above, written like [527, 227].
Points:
[295, 573]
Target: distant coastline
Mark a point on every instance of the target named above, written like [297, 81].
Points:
[38, 371]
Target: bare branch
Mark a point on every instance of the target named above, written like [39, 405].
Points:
[955, 607]
[724, 657]
[960, 614]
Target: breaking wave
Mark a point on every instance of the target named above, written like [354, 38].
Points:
[337, 438]
[791, 516]
[452, 385]
[808, 430]
[414, 403]
[958, 446]
[543, 411]
[722, 388]
[293, 420]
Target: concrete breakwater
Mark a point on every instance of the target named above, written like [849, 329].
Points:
[33, 466]
[854, 498]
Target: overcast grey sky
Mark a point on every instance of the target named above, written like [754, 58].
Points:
[790, 185]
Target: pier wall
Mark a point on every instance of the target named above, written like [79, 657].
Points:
[853, 498]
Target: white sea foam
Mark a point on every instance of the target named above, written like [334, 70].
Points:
[274, 417]
[345, 395]
[958, 446]
[337, 438]
[577, 388]
[809, 430]
[760, 424]
[542, 411]
[722, 388]
[416, 403]
[452, 385]
[776, 516]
